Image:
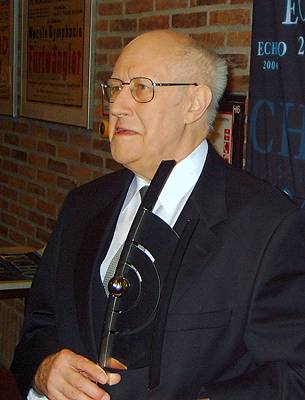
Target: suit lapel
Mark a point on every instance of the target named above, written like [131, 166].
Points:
[207, 203]
[97, 236]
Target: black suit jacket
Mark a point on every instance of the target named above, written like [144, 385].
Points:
[236, 322]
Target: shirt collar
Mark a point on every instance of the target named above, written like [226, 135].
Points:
[187, 171]
[136, 184]
[183, 177]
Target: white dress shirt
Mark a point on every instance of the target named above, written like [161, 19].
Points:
[169, 205]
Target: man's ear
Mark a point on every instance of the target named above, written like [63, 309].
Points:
[199, 99]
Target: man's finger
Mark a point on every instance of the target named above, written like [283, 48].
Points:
[84, 384]
[90, 369]
[113, 379]
[70, 393]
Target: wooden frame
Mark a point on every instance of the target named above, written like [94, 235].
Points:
[228, 136]
[57, 50]
[8, 57]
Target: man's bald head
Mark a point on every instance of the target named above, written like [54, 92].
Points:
[186, 61]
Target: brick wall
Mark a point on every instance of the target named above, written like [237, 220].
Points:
[41, 162]
[224, 25]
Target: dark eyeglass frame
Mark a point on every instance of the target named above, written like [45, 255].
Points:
[104, 87]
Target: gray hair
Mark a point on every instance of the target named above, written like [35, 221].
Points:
[208, 68]
[217, 81]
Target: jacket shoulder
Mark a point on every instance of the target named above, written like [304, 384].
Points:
[244, 189]
[98, 192]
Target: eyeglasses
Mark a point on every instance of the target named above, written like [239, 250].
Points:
[142, 89]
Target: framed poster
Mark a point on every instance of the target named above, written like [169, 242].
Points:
[56, 79]
[228, 135]
[8, 56]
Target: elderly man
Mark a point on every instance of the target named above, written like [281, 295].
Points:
[236, 322]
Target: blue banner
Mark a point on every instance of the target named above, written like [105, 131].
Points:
[276, 118]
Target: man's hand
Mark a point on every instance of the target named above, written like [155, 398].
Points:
[69, 376]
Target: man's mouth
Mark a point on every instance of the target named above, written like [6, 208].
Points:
[124, 131]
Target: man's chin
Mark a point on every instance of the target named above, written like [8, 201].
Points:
[127, 162]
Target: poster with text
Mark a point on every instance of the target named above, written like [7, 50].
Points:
[56, 81]
[276, 134]
[8, 30]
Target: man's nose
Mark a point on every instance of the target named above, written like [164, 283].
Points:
[122, 103]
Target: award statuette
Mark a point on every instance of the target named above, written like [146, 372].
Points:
[139, 292]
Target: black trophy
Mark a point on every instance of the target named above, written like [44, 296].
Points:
[140, 291]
